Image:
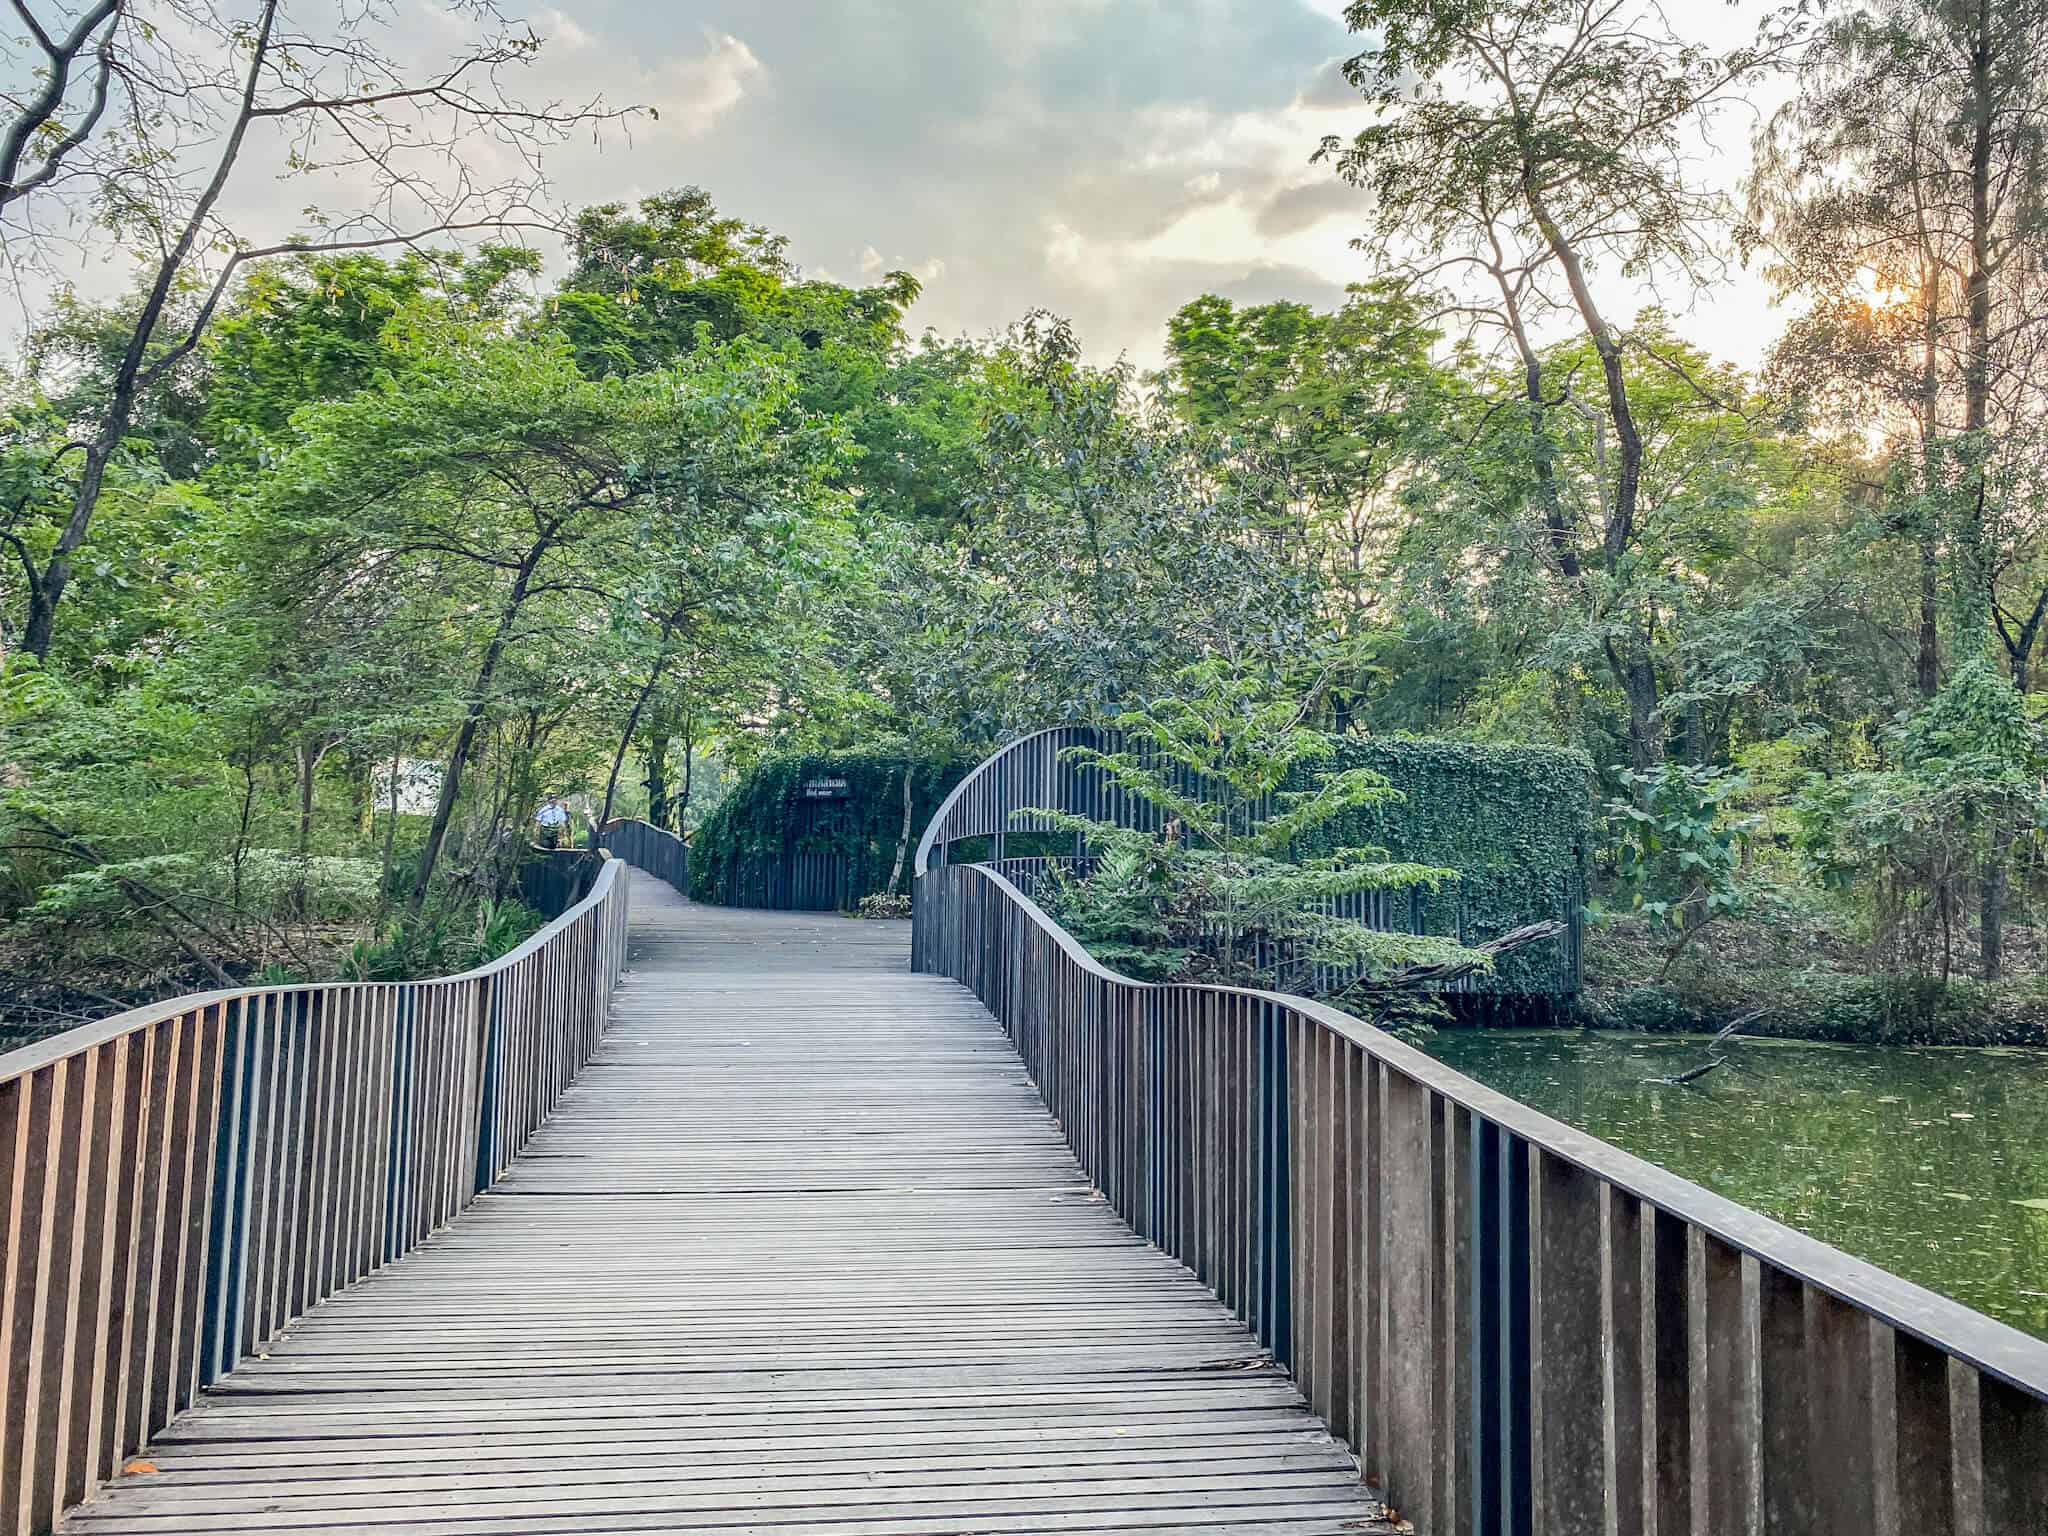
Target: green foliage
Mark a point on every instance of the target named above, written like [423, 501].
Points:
[1963, 782]
[1323, 419]
[1678, 848]
[1244, 879]
[1134, 907]
[1515, 822]
[766, 822]
[690, 514]
[1100, 549]
[439, 943]
[321, 328]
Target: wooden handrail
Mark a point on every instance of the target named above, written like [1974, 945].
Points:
[1030, 771]
[1514, 1324]
[184, 1179]
[655, 849]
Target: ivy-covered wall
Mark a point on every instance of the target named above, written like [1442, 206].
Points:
[773, 843]
[1516, 822]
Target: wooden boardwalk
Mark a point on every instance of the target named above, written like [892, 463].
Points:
[800, 1252]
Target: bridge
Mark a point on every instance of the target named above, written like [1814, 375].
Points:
[683, 1218]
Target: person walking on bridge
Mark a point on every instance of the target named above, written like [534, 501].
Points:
[552, 817]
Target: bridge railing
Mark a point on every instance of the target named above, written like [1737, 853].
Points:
[1039, 772]
[656, 850]
[552, 880]
[1517, 1327]
[183, 1180]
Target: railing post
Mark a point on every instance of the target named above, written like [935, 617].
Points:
[489, 1067]
[1274, 1320]
[228, 1250]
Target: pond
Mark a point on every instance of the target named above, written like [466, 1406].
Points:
[1930, 1162]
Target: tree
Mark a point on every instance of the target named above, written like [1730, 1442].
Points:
[340, 110]
[1905, 190]
[1327, 414]
[1536, 143]
[309, 329]
[1961, 773]
[500, 484]
[659, 280]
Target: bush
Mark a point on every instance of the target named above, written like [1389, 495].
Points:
[1851, 1010]
[441, 943]
[335, 888]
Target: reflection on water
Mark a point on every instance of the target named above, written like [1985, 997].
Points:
[1933, 1163]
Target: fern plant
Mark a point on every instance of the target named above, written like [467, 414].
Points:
[1215, 894]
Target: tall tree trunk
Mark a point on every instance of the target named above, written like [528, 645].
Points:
[1995, 890]
[1973, 562]
[134, 367]
[243, 823]
[309, 757]
[1927, 671]
[1645, 730]
[1975, 598]
[1994, 893]
[903, 838]
[1628, 480]
[689, 773]
[1637, 670]
[390, 831]
[611, 784]
[1927, 668]
[472, 720]
[658, 809]
[611, 787]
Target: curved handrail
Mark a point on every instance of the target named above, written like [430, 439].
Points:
[655, 849]
[1988, 1344]
[81, 1037]
[1036, 772]
[964, 792]
[186, 1178]
[1409, 1240]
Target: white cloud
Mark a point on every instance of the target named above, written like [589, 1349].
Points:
[694, 92]
[562, 33]
[1068, 252]
[1108, 159]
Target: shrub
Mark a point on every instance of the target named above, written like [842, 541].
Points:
[1852, 1010]
[441, 943]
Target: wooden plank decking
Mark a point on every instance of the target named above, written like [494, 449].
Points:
[801, 1251]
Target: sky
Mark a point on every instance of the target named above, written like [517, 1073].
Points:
[1106, 159]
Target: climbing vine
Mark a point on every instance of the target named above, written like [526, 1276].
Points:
[844, 805]
[1515, 822]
